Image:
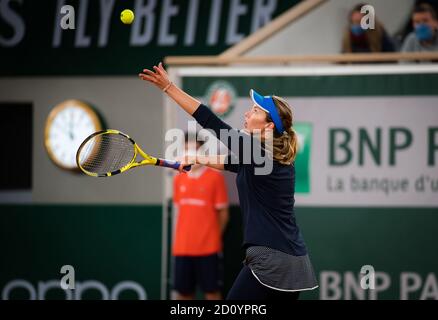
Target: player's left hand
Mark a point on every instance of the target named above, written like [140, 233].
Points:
[158, 77]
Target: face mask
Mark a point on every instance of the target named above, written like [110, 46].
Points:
[423, 32]
[357, 30]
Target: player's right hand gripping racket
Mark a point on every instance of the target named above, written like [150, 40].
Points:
[109, 152]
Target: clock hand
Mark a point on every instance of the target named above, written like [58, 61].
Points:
[72, 137]
[70, 131]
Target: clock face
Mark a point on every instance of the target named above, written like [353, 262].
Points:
[68, 125]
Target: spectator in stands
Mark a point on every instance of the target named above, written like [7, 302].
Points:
[356, 39]
[407, 28]
[425, 34]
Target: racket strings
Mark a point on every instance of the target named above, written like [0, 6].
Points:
[112, 154]
[106, 153]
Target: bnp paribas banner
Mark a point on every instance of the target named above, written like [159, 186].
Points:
[368, 151]
[367, 172]
[82, 37]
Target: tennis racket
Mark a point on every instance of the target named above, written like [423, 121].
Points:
[109, 152]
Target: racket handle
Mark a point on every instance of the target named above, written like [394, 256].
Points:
[172, 164]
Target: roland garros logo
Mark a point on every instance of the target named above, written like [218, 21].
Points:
[221, 97]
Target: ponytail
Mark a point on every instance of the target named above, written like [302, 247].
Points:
[284, 145]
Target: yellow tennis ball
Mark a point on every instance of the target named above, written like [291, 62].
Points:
[127, 16]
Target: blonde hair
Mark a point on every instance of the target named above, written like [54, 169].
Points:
[284, 148]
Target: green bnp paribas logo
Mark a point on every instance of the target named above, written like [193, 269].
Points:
[221, 97]
[302, 161]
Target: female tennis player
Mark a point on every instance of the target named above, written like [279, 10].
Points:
[277, 265]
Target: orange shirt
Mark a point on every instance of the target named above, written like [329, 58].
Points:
[198, 196]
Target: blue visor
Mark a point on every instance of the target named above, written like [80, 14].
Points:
[268, 105]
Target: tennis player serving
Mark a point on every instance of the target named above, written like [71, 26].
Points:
[277, 265]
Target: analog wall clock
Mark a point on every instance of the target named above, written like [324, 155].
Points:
[67, 125]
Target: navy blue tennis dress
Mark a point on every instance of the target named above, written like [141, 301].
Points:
[275, 249]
